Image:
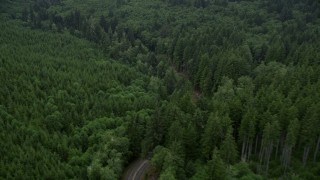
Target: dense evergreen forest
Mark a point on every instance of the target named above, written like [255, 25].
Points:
[208, 89]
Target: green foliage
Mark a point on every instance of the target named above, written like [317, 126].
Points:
[213, 135]
[66, 114]
[242, 171]
[216, 166]
[88, 86]
[229, 151]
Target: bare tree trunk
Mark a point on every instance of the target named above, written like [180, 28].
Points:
[250, 150]
[286, 157]
[289, 155]
[243, 149]
[256, 145]
[283, 155]
[261, 154]
[305, 155]
[316, 150]
[261, 149]
[268, 156]
[277, 149]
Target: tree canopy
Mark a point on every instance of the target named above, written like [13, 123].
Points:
[206, 89]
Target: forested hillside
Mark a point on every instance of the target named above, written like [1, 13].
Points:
[208, 89]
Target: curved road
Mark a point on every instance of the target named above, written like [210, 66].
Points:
[136, 170]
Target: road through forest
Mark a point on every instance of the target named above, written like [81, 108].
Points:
[136, 170]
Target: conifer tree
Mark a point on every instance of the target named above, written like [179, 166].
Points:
[229, 152]
[212, 136]
[216, 166]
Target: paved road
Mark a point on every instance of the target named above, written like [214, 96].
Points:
[136, 170]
